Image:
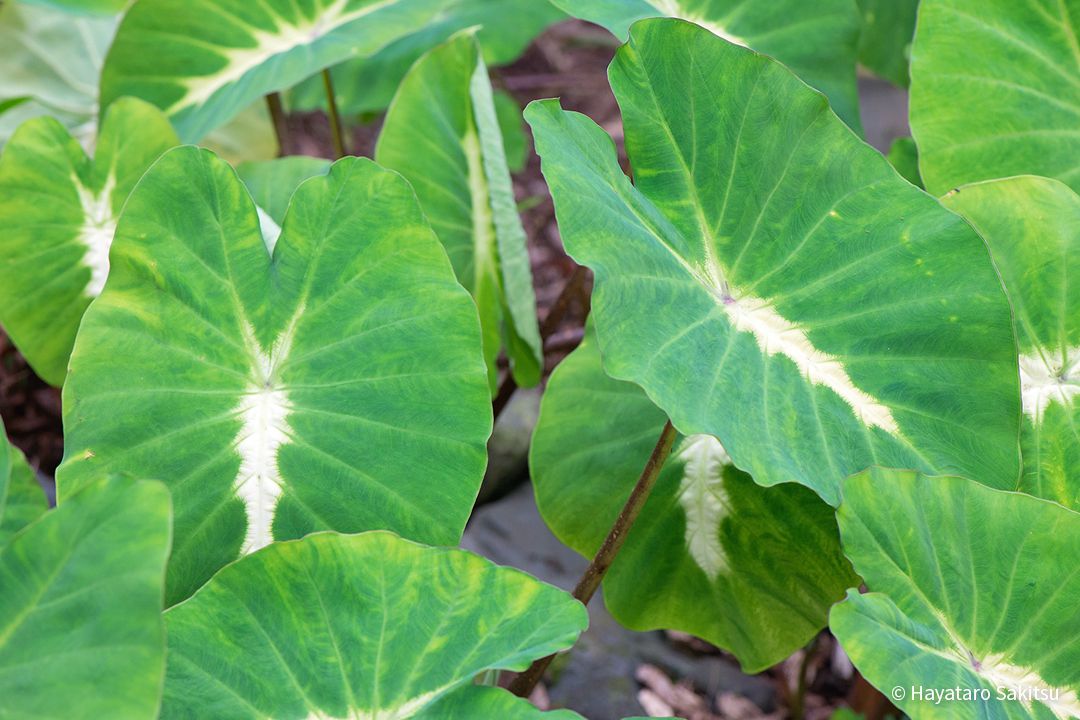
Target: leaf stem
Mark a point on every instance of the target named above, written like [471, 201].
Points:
[277, 117]
[335, 118]
[573, 287]
[522, 685]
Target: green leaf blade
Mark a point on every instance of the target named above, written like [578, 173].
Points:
[365, 625]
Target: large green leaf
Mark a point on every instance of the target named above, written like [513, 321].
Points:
[750, 569]
[359, 626]
[211, 58]
[506, 27]
[335, 384]
[888, 27]
[58, 213]
[995, 90]
[442, 134]
[973, 590]
[1032, 226]
[89, 7]
[21, 498]
[273, 182]
[474, 702]
[772, 281]
[817, 40]
[81, 634]
[904, 156]
[52, 59]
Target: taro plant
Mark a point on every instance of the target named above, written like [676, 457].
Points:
[847, 402]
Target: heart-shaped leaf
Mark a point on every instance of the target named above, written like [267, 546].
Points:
[750, 569]
[52, 60]
[817, 40]
[337, 384]
[772, 281]
[211, 58]
[445, 109]
[995, 90]
[964, 597]
[1032, 226]
[885, 35]
[506, 27]
[81, 634]
[58, 214]
[21, 498]
[361, 626]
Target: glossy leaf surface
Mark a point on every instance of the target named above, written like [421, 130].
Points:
[335, 384]
[58, 214]
[962, 596]
[1032, 226]
[359, 626]
[750, 569]
[817, 40]
[771, 281]
[81, 635]
[995, 90]
[442, 134]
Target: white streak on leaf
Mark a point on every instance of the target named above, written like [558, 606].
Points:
[1043, 382]
[703, 499]
[97, 232]
[673, 8]
[402, 711]
[1027, 686]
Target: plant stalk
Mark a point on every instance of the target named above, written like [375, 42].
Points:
[277, 117]
[335, 118]
[522, 685]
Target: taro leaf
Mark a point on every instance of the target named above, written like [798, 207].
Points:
[506, 27]
[248, 137]
[358, 626]
[442, 134]
[476, 701]
[21, 498]
[904, 156]
[211, 58]
[973, 589]
[995, 90]
[817, 40]
[58, 213]
[1032, 226]
[336, 385]
[53, 59]
[88, 7]
[888, 27]
[272, 182]
[81, 634]
[515, 140]
[772, 282]
[750, 569]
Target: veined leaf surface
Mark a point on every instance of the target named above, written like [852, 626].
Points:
[359, 626]
[885, 36]
[58, 214]
[962, 596]
[211, 58]
[81, 634]
[505, 29]
[1032, 226]
[21, 498]
[817, 40]
[337, 384]
[750, 569]
[995, 90]
[442, 134]
[273, 182]
[771, 281]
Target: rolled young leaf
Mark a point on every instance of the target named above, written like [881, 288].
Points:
[442, 134]
[817, 40]
[366, 625]
[995, 91]
[21, 498]
[1032, 226]
[962, 598]
[772, 281]
[212, 58]
[335, 384]
[58, 214]
[81, 634]
[505, 29]
[752, 570]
